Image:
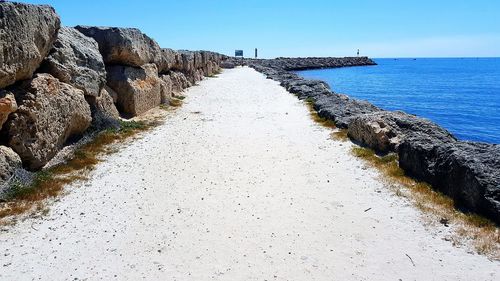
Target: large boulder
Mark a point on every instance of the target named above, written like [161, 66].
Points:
[49, 113]
[170, 60]
[8, 105]
[341, 109]
[9, 162]
[468, 172]
[104, 112]
[179, 82]
[125, 46]
[383, 131]
[26, 36]
[104, 104]
[75, 59]
[304, 88]
[210, 62]
[138, 88]
[187, 62]
[166, 89]
[198, 60]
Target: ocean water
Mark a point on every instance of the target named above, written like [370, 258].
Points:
[460, 94]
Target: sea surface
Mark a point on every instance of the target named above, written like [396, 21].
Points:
[460, 94]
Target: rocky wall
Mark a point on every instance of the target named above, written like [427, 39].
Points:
[57, 82]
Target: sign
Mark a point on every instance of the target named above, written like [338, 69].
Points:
[238, 53]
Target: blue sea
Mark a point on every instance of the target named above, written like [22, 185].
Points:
[460, 94]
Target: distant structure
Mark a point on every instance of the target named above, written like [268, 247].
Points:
[358, 52]
[255, 52]
[238, 53]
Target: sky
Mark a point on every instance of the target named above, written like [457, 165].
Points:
[379, 28]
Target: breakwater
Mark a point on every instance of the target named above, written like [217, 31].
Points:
[468, 172]
[58, 83]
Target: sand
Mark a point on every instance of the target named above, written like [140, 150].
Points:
[238, 184]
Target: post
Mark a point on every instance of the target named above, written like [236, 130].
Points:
[255, 52]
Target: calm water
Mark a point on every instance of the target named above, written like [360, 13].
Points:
[462, 95]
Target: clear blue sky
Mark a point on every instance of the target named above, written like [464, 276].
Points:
[380, 28]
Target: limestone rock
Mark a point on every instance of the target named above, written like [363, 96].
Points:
[166, 89]
[468, 172]
[170, 61]
[124, 46]
[105, 115]
[104, 105]
[210, 62]
[26, 36]
[9, 162]
[383, 131]
[342, 109]
[138, 88]
[112, 94]
[187, 63]
[8, 105]
[49, 113]
[179, 82]
[75, 59]
[229, 63]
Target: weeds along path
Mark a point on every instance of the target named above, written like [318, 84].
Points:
[238, 184]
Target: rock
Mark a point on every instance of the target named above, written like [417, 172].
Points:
[49, 113]
[187, 66]
[198, 60]
[467, 172]
[124, 46]
[383, 131]
[8, 105]
[138, 88]
[179, 82]
[169, 60]
[26, 36]
[9, 163]
[104, 112]
[105, 105]
[304, 88]
[198, 75]
[341, 109]
[228, 64]
[166, 89]
[75, 59]
[112, 94]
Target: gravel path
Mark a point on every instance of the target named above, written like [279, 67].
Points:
[238, 184]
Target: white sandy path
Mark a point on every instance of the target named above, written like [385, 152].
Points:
[249, 189]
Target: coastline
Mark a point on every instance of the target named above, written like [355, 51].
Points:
[468, 172]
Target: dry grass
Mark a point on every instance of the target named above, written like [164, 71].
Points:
[165, 106]
[315, 116]
[176, 100]
[437, 208]
[341, 135]
[50, 183]
[470, 229]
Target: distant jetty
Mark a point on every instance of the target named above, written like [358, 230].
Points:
[291, 64]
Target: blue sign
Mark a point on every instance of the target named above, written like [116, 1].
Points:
[238, 53]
